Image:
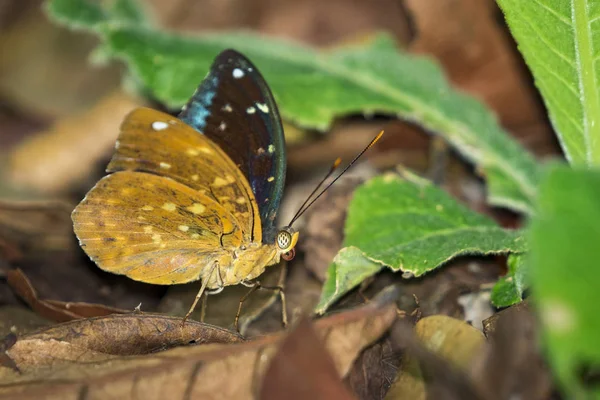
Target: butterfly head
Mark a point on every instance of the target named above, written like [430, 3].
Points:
[286, 240]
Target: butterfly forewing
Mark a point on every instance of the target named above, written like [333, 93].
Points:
[235, 108]
[155, 142]
[154, 229]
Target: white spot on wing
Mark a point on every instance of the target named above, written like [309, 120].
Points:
[165, 165]
[271, 149]
[251, 110]
[263, 107]
[159, 125]
[238, 73]
[222, 126]
[220, 182]
[196, 208]
[169, 207]
[227, 108]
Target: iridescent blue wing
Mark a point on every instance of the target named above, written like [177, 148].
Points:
[235, 108]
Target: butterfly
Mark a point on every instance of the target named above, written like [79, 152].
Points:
[194, 197]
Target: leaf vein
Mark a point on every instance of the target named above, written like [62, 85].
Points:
[558, 15]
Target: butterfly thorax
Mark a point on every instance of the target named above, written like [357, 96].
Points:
[249, 260]
[246, 263]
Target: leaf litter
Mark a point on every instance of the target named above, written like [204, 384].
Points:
[87, 355]
[140, 346]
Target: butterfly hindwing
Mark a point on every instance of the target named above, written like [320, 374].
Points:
[154, 229]
[235, 108]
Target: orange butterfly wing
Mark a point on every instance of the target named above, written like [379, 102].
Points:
[155, 142]
[174, 205]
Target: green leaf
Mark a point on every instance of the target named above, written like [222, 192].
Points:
[77, 14]
[91, 15]
[413, 226]
[349, 268]
[130, 11]
[565, 274]
[559, 40]
[314, 88]
[509, 289]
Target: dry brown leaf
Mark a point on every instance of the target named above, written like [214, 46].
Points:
[63, 156]
[5, 344]
[489, 325]
[213, 371]
[302, 369]
[478, 55]
[452, 340]
[55, 310]
[133, 334]
[328, 22]
[374, 371]
[30, 227]
[323, 232]
[188, 15]
[511, 366]
[345, 140]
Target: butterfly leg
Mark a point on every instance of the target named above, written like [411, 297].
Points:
[254, 286]
[203, 306]
[200, 293]
[208, 292]
[279, 289]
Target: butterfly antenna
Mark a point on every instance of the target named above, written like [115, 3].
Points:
[334, 166]
[306, 206]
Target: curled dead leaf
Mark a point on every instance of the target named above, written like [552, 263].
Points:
[133, 334]
[55, 310]
[215, 371]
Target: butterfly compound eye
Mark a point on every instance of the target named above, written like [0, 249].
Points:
[286, 239]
